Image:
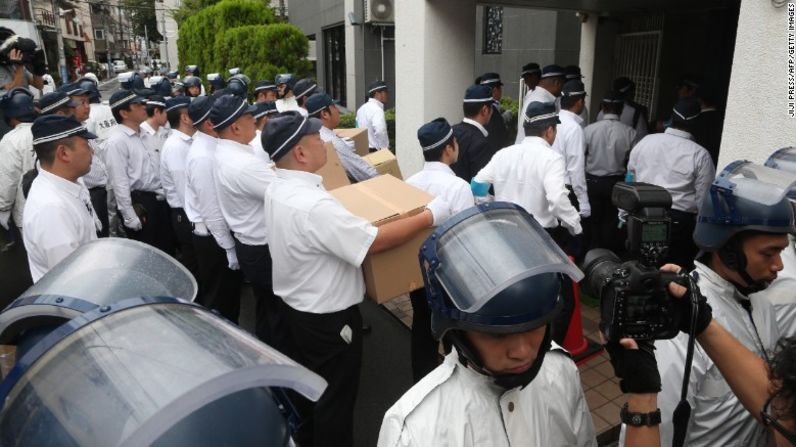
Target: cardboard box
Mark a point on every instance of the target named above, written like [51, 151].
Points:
[333, 172]
[359, 136]
[385, 162]
[383, 199]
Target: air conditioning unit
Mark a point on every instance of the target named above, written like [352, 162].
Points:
[379, 11]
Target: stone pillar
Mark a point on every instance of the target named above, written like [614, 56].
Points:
[588, 47]
[434, 60]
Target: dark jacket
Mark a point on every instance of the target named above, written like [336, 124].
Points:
[474, 151]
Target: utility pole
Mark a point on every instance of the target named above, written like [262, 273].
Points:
[60, 39]
[165, 38]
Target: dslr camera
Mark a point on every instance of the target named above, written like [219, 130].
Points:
[634, 301]
[32, 56]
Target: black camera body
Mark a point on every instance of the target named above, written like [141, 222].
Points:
[634, 301]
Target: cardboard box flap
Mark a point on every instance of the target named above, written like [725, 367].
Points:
[333, 172]
[381, 198]
[379, 157]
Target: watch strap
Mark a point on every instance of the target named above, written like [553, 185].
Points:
[640, 419]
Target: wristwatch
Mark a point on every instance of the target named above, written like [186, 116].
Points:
[640, 419]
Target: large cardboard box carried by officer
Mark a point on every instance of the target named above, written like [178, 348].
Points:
[382, 199]
[333, 172]
[359, 135]
[385, 162]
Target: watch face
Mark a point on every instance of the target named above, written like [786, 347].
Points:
[636, 419]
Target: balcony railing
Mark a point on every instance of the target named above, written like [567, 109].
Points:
[44, 17]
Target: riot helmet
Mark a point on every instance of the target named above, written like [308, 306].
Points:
[493, 269]
[18, 103]
[238, 85]
[90, 86]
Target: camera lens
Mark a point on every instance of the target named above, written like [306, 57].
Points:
[598, 265]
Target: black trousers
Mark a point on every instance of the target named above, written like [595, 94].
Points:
[155, 221]
[219, 287]
[13, 264]
[270, 320]
[184, 234]
[425, 348]
[99, 200]
[604, 231]
[322, 349]
[682, 249]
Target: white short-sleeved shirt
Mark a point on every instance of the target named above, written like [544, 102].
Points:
[371, 116]
[16, 158]
[241, 181]
[317, 245]
[58, 219]
[439, 180]
[172, 167]
[532, 175]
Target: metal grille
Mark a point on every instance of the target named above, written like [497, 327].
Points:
[637, 57]
[493, 30]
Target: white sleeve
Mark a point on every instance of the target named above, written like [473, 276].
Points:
[335, 231]
[705, 174]
[462, 198]
[487, 173]
[208, 206]
[10, 174]
[379, 123]
[116, 154]
[576, 168]
[394, 433]
[558, 196]
[58, 241]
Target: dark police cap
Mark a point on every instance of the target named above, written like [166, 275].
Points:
[177, 102]
[227, 109]
[53, 101]
[623, 84]
[155, 100]
[552, 71]
[572, 72]
[305, 87]
[434, 134]
[531, 68]
[613, 97]
[377, 86]
[573, 87]
[122, 98]
[264, 85]
[285, 131]
[172, 74]
[541, 113]
[478, 93]
[490, 79]
[286, 78]
[73, 89]
[55, 127]
[199, 109]
[318, 102]
[686, 109]
[264, 108]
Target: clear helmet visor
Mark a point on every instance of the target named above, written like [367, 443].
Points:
[483, 254]
[784, 160]
[760, 184]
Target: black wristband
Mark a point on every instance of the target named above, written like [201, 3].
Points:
[640, 419]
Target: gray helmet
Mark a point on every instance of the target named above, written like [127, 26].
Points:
[18, 103]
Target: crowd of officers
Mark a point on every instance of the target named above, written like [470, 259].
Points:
[229, 188]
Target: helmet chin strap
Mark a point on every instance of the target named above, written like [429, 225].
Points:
[469, 357]
[752, 284]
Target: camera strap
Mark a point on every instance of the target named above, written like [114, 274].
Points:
[682, 414]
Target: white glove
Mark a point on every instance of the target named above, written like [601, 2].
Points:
[232, 259]
[484, 199]
[5, 218]
[134, 224]
[585, 212]
[440, 210]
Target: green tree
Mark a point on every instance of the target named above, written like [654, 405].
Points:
[142, 15]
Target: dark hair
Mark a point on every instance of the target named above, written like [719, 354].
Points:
[436, 153]
[782, 372]
[568, 102]
[173, 116]
[45, 152]
[677, 123]
[613, 107]
[116, 112]
[471, 109]
[537, 130]
[150, 110]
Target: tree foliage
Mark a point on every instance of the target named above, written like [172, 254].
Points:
[245, 34]
[142, 15]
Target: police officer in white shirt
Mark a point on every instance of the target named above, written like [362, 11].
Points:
[16, 154]
[304, 89]
[265, 90]
[571, 144]
[572, 73]
[371, 115]
[497, 132]
[548, 90]
[532, 174]
[674, 161]
[440, 150]
[531, 74]
[173, 176]
[265, 110]
[608, 144]
[219, 276]
[323, 107]
[100, 121]
[58, 214]
[241, 180]
[154, 131]
[471, 134]
[134, 175]
[633, 114]
[287, 98]
[318, 247]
